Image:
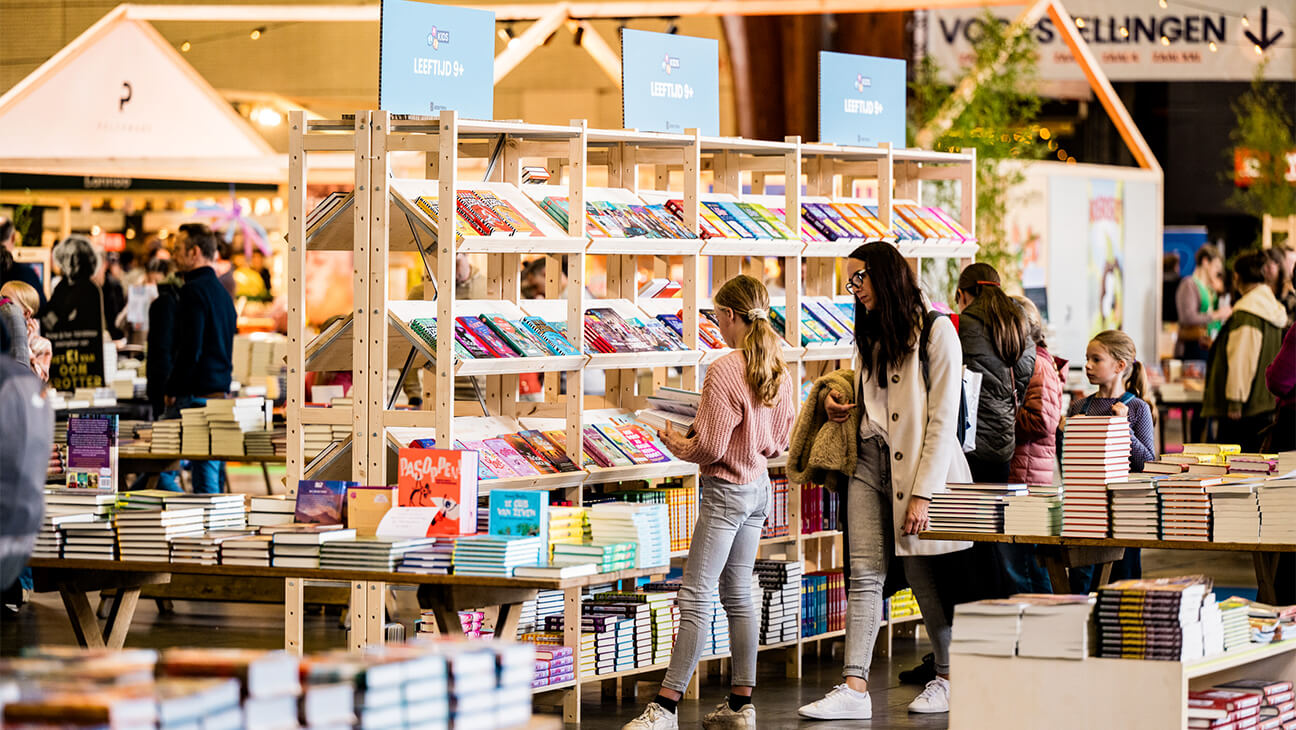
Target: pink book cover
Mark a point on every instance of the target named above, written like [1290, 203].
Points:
[491, 459]
[510, 455]
[636, 436]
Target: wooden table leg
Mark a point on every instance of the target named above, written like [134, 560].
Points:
[1266, 570]
[571, 638]
[119, 619]
[506, 623]
[84, 622]
[375, 614]
[265, 472]
[357, 636]
[294, 606]
[1056, 567]
[1104, 575]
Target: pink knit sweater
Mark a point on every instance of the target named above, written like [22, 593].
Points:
[734, 435]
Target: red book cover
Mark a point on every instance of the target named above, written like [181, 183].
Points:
[444, 479]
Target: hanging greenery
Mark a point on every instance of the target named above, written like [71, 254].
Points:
[999, 121]
[1264, 127]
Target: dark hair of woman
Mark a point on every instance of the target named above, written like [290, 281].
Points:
[1002, 317]
[888, 333]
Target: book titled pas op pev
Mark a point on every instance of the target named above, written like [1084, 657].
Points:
[443, 479]
[321, 502]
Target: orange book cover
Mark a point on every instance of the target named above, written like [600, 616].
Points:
[440, 478]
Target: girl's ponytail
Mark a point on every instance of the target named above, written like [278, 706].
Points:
[1138, 384]
[762, 347]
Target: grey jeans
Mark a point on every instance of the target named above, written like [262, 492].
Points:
[725, 541]
[869, 546]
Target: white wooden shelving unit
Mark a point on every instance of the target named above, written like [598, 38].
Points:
[383, 215]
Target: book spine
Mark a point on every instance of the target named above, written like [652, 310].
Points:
[487, 338]
[820, 221]
[753, 221]
[516, 461]
[708, 215]
[479, 215]
[492, 460]
[483, 469]
[510, 336]
[619, 440]
[469, 342]
[557, 457]
[529, 453]
[552, 338]
[729, 219]
[830, 210]
[510, 215]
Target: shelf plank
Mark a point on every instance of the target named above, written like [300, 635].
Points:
[663, 470]
[540, 482]
[644, 360]
[1243, 547]
[752, 247]
[644, 246]
[826, 353]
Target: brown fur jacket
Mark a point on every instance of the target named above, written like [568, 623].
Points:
[823, 452]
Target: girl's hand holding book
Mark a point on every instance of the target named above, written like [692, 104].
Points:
[673, 440]
[1120, 409]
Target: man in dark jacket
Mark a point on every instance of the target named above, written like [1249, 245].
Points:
[1003, 385]
[205, 322]
[24, 460]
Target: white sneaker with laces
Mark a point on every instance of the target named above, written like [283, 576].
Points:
[842, 703]
[654, 718]
[724, 718]
[934, 698]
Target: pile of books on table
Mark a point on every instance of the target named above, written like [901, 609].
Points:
[90, 540]
[1153, 618]
[1252, 465]
[266, 442]
[228, 419]
[220, 511]
[494, 554]
[647, 525]
[1243, 703]
[300, 546]
[254, 550]
[780, 582]
[1186, 507]
[434, 559]
[369, 553]
[271, 510]
[203, 549]
[1135, 509]
[608, 557]
[166, 437]
[195, 437]
[972, 507]
[1277, 500]
[147, 534]
[1032, 625]
[1095, 453]
[1038, 512]
[1235, 512]
[567, 526]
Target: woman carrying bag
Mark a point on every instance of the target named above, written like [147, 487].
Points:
[906, 450]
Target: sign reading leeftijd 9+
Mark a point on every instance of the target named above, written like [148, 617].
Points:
[669, 83]
[436, 57]
[861, 100]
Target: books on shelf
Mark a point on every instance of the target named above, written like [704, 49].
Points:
[648, 525]
[1153, 618]
[369, 553]
[1055, 626]
[609, 557]
[780, 582]
[522, 513]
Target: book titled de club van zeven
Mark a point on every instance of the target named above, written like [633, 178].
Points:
[444, 479]
[520, 513]
[321, 502]
[92, 451]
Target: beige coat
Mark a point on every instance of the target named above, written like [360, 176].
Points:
[925, 453]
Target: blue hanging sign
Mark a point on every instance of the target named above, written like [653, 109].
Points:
[861, 100]
[669, 83]
[436, 57]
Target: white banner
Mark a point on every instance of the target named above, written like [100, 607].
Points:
[1138, 40]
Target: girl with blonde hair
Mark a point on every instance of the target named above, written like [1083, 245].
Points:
[22, 302]
[744, 418]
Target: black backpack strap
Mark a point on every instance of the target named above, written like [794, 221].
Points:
[929, 317]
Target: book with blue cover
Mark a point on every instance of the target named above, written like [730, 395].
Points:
[516, 512]
[321, 502]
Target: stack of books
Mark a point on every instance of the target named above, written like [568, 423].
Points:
[1225, 707]
[1253, 465]
[494, 554]
[972, 507]
[1186, 507]
[716, 641]
[548, 603]
[299, 546]
[1038, 512]
[269, 679]
[253, 550]
[566, 527]
[145, 499]
[317, 437]
[989, 627]
[554, 665]
[89, 540]
[220, 511]
[271, 510]
[635, 632]
[1277, 705]
[370, 553]
[1235, 512]
[195, 438]
[609, 557]
[776, 523]
[1235, 618]
[901, 604]
[265, 441]
[1277, 500]
[1135, 510]
[1152, 618]
[819, 507]
[823, 602]
[228, 419]
[1095, 453]
[434, 559]
[780, 582]
[1054, 626]
[203, 549]
[647, 525]
[166, 437]
[147, 534]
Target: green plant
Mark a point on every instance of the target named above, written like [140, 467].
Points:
[999, 121]
[23, 217]
[1264, 126]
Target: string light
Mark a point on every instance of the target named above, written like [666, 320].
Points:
[184, 47]
[1162, 3]
[1213, 47]
[1259, 51]
[1079, 22]
[1165, 41]
[1124, 32]
[256, 33]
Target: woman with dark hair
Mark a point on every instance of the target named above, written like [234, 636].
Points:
[906, 451]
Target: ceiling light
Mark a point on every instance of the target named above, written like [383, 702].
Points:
[256, 33]
[184, 47]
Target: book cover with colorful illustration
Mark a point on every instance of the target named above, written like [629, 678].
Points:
[443, 479]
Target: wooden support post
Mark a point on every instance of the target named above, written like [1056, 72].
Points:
[360, 328]
[448, 144]
[358, 636]
[375, 615]
[294, 594]
[571, 638]
[375, 305]
[296, 296]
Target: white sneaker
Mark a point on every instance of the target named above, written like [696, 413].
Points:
[654, 718]
[724, 718]
[934, 698]
[842, 703]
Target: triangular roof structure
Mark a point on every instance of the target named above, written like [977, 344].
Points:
[120, 101]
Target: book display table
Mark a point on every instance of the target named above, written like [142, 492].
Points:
[1057, 554]
[1008, 693]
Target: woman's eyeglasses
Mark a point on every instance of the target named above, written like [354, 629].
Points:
[856, 280]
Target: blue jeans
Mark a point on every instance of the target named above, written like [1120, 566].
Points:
[723, 553]
[206, 474]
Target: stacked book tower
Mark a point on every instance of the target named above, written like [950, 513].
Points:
[253, 550]
[1038, 512]
[228, 419]
[271, 510]
[637, 609]
[299, 546]
[203, 549]
[554, 665]
[166, 437]
[494, 554]
[434, 559]
[1235, 512]
[972, 507]
[88, 510]
[1153, 618]
[566, 527]
[1135, 509]
[780, 581]
[609, 557]
[1277, 499]
[1235, 618]
[371, 553]
[220, 511]
[195, 438]
[147, 534]
[1186, 507]
[647, 525]
[1095, 453]
[682, 502]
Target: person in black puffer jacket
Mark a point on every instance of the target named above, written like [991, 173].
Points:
[28, 422]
